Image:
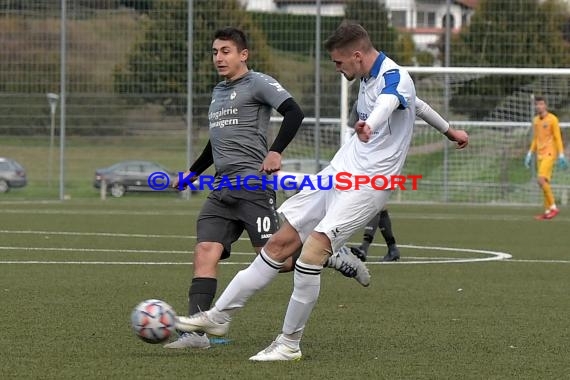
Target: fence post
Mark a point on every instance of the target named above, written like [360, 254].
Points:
[103, 189]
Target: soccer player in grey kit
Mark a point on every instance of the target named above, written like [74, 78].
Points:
[239, 116]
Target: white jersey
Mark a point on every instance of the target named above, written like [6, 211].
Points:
[385, 152]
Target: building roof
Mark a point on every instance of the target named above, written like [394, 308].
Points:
[308, 2]
[468, 3]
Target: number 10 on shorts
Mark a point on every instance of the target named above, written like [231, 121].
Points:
[263, 224]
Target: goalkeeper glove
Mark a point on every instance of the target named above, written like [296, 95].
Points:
[528, 159]
[562, 162]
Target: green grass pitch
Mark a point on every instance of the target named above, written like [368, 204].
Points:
[70, 274]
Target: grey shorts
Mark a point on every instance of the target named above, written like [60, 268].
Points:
[227, 213]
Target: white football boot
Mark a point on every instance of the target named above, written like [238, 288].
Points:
[190, 340]
[277, 351]
[202, 322]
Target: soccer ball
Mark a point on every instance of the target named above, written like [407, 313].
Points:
[153, 321]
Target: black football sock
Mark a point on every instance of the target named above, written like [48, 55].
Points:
[369, 232]
[201, 294]
[385, 226]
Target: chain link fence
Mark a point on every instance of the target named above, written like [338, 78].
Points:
[126, 83]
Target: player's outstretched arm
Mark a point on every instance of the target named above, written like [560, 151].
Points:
[459, 136]
[435, 120]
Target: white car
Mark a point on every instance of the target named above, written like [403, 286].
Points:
[12, 175]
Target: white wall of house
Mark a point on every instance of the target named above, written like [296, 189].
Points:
[299, 9]
[424, 19]
[326, 10]
[260, 5]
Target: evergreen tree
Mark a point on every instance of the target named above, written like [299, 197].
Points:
[157, 67]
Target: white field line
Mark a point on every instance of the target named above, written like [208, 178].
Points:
[29, 262]
[168, 212]
[489, 254]
[122, 212]
[102, 234]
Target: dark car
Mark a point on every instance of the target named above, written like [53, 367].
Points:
[131, 176]
[12, 174]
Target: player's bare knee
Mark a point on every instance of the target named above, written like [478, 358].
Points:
[316, 250]
[287, 264]
[206, 258]
[283, 243]
[541, 181]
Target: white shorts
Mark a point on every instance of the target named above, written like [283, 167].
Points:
[336, 213]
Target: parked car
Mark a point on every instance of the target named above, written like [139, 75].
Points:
[12, 175]
[298, 168]
[130, 176]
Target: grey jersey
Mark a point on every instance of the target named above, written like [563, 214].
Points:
[239, 118]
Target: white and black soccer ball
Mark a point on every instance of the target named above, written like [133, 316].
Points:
[153, 321]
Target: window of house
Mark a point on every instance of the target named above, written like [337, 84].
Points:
[464, 19]
[425, 19]
[398, 19]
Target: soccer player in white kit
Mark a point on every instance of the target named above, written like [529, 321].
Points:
[322, 221]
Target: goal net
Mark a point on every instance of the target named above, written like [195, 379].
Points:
[494, 105]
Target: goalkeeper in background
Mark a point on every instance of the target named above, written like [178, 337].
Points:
[547, 144]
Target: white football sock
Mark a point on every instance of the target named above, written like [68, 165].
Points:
[247, 281]
[291, 343]
[304, 297]
[219, 316]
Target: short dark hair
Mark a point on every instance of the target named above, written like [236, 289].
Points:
[235, 35]
[540, 98]
[348, 34]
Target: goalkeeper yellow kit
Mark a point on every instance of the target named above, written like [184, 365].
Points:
[547, 143]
